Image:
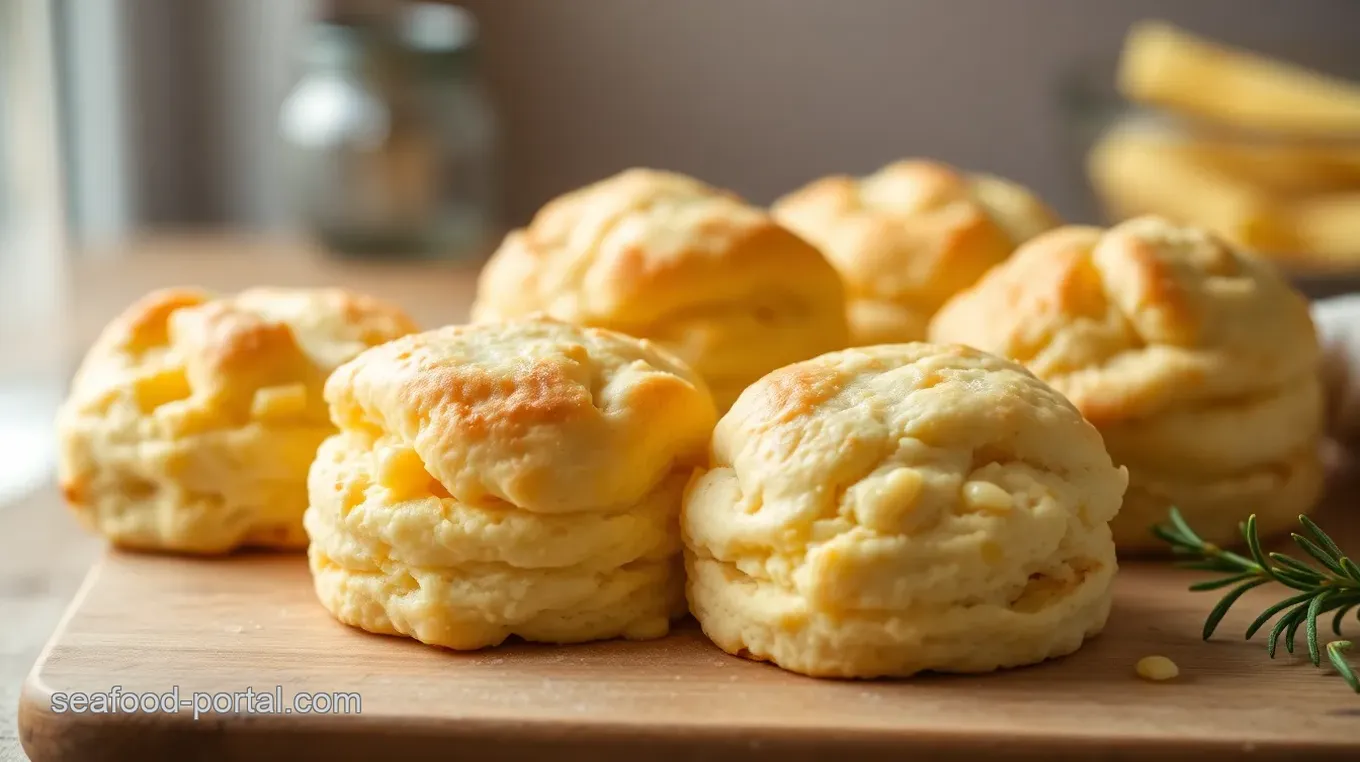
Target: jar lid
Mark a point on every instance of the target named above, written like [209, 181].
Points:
[435, 28]
[333, 44]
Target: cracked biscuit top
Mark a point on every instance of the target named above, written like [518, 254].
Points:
[193, 418]
[544, 415]
[909, 236]
[1142, 318]
[226, 354]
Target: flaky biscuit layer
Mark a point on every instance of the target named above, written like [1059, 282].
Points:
[1221, 437]
[751, 618]
[1277, 492]
[388, 559]
[372, 508]
[635, 602]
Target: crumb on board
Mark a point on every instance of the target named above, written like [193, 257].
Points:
[1157, 668]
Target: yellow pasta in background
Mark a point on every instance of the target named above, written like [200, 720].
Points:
[1166, 66]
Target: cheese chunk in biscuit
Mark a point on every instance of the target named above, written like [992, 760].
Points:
[192, 421]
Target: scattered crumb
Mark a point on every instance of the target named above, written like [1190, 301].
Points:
[235, 629]
[1157, 668]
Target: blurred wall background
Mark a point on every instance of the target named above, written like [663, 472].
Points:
[756, 95]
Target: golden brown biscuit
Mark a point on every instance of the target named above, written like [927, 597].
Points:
[506, 479]
[1198, 364]
[665, 257]
[193, 419]
[909, 236]
[897, 508]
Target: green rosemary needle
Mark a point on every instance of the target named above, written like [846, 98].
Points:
[1330, 583]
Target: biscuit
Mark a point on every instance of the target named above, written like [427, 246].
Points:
[1199, 365]
[908, 237]
[193, 419]
[665, 257]
[886, 510]
[503, 479]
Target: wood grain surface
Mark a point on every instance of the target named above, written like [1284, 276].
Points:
[42, 562]
[151, 623]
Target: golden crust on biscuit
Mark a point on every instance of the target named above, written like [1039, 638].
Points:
[665, 257]
[1190, 357]
[539, 413]
[909, 236]
[898, 508]
[506, 479]
[192, 420]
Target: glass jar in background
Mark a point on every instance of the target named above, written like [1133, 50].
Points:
[35, 351]
[390, 137]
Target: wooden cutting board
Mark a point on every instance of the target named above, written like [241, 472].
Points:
[157, 624]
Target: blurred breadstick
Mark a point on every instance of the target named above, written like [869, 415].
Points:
[1140, 172]
[1280, 168]
[1165, 66]
[1328, 227]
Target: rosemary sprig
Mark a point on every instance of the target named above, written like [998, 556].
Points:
[1330, 583]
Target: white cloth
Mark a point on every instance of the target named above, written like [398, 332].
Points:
[1338, 327]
